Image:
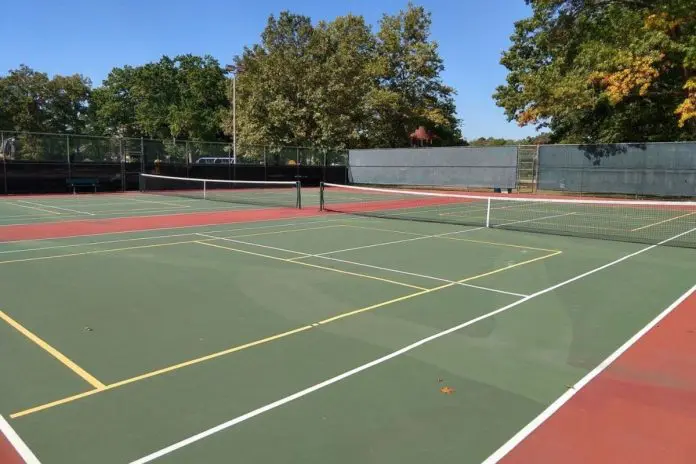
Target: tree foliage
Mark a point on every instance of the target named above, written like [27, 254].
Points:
[338, 84]
[604, 70]
[30, 101]
[180, 97]
[333, 84]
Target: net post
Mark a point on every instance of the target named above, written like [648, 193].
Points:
[299, 194]
[204, 190]
[488, 213]
[321, 196]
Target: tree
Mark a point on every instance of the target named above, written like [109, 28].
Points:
[180, 97]
[604, 70]
[337, 84]
[30, 101]
[410, 91]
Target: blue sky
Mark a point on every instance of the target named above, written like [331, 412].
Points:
[91, 37]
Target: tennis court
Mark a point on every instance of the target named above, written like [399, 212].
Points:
[358, 335]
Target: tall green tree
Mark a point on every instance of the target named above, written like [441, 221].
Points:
[604, 70]
[30, 101]
[180, 97]
[338, 84]
[410, 91]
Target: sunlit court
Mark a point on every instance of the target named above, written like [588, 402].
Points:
[271, 323]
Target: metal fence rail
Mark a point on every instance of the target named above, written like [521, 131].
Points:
[40, 162]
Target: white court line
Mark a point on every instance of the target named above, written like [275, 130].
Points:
[55, 207]
[154, 237]
[322, 256]
[422, 237]
[397, 271]
[270, 406]
[572, 391]
[188, 212]
[16, 441]
[663, 222]
[31, 207]
[178, 205]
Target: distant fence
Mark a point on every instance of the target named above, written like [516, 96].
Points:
[484, 167]
[651, 169]
[37, 162]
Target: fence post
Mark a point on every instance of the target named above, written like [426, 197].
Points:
[142, 155]
[265, 164]
[122, 157]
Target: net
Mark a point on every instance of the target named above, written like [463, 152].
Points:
[652, 222]
[262, 193]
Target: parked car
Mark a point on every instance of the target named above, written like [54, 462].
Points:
[215, 160]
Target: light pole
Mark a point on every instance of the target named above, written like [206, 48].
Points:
[232, 69]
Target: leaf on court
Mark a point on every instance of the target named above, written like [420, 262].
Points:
[447, 390]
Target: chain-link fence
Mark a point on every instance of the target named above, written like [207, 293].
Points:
[636, 169]
[117, 161]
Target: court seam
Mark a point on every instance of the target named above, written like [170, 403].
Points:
[546, 414]
[47, 347]
[270, 406]
[17, 443]
[354, 263]
[78, 396]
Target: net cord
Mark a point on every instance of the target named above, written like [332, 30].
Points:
[573, 201]
[221, 181]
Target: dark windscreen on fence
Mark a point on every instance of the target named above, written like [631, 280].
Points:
[655, 169]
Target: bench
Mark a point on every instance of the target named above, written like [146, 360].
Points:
[76, 183]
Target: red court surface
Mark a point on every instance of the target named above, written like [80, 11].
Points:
[641, 409]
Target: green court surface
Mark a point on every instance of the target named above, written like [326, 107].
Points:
[117, 346]
[40, 209]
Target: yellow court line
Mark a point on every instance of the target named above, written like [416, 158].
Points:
[430, 290]
[147, 375]
[287, 260]
[67, 362]
[41, 258]
[450, 237]
[499, 244]
[663, 222]
[265, 340]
